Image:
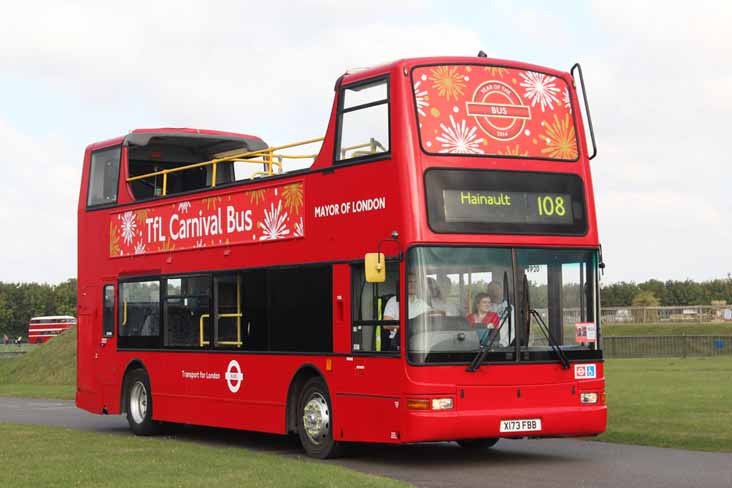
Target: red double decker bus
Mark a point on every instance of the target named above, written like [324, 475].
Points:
[432, 276]
[41, 329]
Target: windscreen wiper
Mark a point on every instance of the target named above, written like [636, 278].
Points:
[485, 346]
[550, 338]
[530, 312]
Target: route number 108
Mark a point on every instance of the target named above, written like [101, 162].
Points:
[550, 206]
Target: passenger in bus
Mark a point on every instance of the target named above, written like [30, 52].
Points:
[494, 290]
[438, 303]
[482, 312]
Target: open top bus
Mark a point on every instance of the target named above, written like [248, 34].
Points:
[431, 276]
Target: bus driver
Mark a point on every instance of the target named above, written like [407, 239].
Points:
[416, 305]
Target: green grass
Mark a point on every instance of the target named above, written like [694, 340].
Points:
[48, 371]
[45, 456]
[611, 330]
[681, 403]
[53, 363]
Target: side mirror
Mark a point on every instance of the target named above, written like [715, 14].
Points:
[375, 267]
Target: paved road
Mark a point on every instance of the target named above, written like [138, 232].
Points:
[535, 463]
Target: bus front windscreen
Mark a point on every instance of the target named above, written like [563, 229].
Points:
[481, 110]
[466, 298]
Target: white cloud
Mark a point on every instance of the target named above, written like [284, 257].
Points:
[660, 101]
[267, 70]
[658, 87]
[38, 207]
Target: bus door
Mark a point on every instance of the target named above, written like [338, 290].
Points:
[87, 384]
[372, 396]
[105, 342]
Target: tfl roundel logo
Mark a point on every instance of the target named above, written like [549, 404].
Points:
[585, 371]
[234, 376]
[498, 110]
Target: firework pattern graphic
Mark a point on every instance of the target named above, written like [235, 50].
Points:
[274, 224]
[539, 122]
[263, 215]
[459, 138]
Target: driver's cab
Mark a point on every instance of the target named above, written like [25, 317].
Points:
[469, 307]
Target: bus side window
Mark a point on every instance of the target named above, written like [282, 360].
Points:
[228, 312]
[369, 332]
[187, 314]
[108, 311]
[139, 314]
[103, 177]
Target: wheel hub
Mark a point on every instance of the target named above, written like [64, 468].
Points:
[138, 402]
[316, 418]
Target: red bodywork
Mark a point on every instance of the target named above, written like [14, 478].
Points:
[369, 394]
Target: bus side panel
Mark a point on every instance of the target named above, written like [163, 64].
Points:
[193, 388]
[367, 399]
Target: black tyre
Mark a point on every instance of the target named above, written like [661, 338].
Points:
[315, 420]
[139, 407]
[478, 443]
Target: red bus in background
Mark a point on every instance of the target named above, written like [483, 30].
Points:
[41, 329]
[431, 276]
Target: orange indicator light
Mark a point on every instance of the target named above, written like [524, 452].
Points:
[421, 404]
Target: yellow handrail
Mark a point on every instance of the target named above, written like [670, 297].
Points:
[237, 342]
[268, 159]
[200, 322]
[373, 144]
[237, 316]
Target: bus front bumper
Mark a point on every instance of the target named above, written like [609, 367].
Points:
[575, 421]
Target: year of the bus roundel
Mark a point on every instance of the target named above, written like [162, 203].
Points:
[398, 280]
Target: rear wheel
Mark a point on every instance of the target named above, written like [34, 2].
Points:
[139, 404]
[478, 443]
[315, 420]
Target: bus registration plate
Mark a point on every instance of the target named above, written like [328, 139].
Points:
[520, 425]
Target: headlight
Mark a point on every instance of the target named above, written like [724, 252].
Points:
[441, 403]
[588, 397]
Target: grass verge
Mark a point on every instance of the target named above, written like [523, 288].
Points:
[47, 371]
[46, 456]
[680, 403]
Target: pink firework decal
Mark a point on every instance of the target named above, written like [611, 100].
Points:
[264, 214]
[494, 111]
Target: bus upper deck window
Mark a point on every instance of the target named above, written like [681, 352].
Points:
[103, 177]
[364, 120]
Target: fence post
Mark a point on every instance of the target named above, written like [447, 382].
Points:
[700, 315]
[683, 345]
[645, 315]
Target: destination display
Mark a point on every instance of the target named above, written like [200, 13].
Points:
[507, 207]
[470, 201]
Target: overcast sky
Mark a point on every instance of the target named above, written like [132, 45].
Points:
[659, 80]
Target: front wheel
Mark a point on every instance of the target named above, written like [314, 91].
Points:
[478, 443]
[139, 404]
[315, 420]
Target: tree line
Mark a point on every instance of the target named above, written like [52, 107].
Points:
[21, 301]
[668, 293]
